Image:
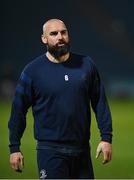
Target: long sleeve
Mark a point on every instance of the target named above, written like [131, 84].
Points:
[21, 102]
[101, 108]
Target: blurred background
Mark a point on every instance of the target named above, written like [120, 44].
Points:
[103, 29]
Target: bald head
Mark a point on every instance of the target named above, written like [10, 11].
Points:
[51, 23]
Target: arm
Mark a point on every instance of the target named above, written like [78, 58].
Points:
[103, 116]
[17, 123]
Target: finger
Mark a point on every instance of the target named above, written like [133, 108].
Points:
[106, 157]
[15, 166]
[20, 167]
[110, 156]
[105, 161]
[21, 164]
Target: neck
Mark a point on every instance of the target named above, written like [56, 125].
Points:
[57, 60]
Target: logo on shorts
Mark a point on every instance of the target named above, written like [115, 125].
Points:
[43, 174]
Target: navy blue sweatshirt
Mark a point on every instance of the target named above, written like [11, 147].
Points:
[60, 95]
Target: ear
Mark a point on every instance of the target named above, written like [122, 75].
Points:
[44, 39]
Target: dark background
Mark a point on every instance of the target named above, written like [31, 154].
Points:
[103, 29]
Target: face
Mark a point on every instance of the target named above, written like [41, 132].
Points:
[56, 37]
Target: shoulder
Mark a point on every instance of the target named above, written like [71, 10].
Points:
[32, 66]
[85, 59]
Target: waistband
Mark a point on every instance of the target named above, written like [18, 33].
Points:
[63, 147]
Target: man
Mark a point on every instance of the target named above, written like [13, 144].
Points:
[60, 86]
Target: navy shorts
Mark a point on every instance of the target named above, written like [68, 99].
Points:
[64, 163]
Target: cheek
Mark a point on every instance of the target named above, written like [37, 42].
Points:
[51, 42]
[66, 39]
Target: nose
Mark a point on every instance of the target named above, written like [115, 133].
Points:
[59, 35]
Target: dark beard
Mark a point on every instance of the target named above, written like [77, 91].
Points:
[57, 51]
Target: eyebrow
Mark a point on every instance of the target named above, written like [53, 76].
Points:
[56, 32]
[53, 33]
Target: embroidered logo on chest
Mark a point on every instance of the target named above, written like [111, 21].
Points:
[66, 78]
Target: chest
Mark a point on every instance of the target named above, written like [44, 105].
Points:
[55, 81]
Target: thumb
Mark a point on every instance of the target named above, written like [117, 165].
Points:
[98, 151]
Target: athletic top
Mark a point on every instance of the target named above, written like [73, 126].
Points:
[60, 95]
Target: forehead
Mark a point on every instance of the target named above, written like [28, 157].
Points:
[55, 26]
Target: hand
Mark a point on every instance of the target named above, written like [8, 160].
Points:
[17, 161]
[106, 149]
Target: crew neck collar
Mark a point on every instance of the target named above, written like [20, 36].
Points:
[62, 62]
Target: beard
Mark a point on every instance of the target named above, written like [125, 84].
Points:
[58, 51]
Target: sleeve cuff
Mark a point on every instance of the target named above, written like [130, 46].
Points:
[107, 138]
[14, 148]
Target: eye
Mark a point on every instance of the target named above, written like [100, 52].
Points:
[63, 32]
[54, 33]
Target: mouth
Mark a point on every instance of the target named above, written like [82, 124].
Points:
[61, 43]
